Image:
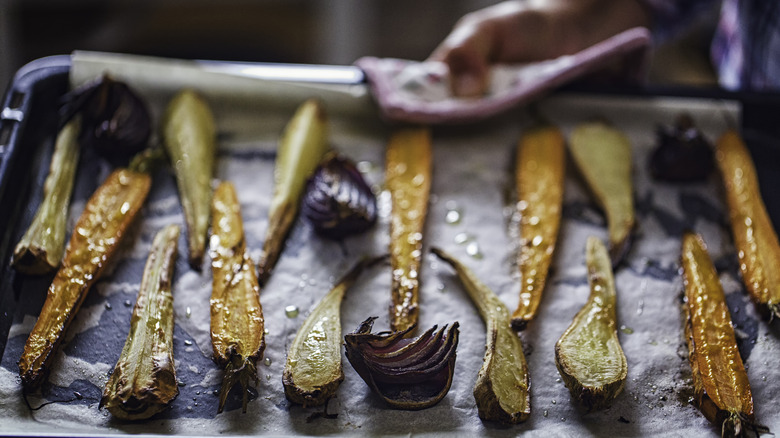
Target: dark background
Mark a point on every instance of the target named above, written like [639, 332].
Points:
[297, 31]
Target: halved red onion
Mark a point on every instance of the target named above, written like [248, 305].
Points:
[338, 202]
[115, 120]
[406, 373]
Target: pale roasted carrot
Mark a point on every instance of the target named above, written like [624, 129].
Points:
[588, 354]
[312, 372]
[301, 148]
[502, 388]
[144, 382]
[43, 244]
[603, 156]
[190, 139]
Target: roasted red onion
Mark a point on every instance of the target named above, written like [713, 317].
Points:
[338, 202]
[683, 154]
[406, 373]
[115, 120]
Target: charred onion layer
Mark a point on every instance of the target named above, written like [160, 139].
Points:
[406, 373]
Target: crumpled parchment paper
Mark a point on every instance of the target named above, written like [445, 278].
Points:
[471, 176]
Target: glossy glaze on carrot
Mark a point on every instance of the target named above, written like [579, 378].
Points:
[96, 237]
[408, 178]
[540, 171]
[237, 323]
[721, 387]
[754, 236]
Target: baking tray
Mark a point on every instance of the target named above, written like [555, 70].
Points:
[27, 127]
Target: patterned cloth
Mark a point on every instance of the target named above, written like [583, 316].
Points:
[746, 46]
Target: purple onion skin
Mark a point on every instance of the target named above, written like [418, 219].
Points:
[338, 202]
[115, 120]
[683, 154]
[406, 373]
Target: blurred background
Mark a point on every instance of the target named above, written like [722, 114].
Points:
[296, 31]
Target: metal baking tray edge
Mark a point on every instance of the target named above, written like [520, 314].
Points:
[30, 98]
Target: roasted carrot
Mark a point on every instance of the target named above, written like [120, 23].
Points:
[603, 156]
[96, 236]
[143, 382]
[720, 383]
[189, 134]
[588, 354]
[301, 148]
[312, 372]
[408, 178]
[40, 249]
[755, 238]
[539, 175]
[237, 323]
[502, 388]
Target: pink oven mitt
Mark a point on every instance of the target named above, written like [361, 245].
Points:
[419, 92]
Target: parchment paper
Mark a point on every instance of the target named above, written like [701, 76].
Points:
[472, 174]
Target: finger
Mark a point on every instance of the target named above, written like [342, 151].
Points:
[466, 52]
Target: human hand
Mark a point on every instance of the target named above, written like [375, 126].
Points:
[530, 30]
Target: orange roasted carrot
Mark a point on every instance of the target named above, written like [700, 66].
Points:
[720, 383]
[97, 235]
[408, 178]
[755, 238]
[540, 171]
[237, 323]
